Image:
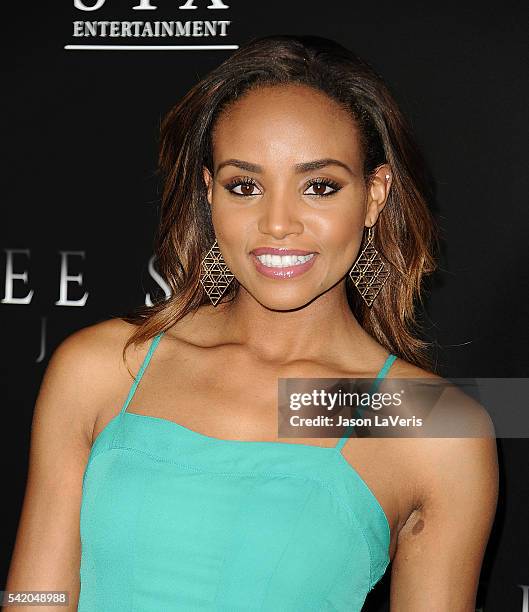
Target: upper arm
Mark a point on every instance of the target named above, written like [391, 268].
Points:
[46, 555]
[440, 549]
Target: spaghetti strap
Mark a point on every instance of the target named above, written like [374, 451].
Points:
[380, 376]
[142, 369]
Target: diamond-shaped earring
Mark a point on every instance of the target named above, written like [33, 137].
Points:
[215, 276]
[369, 272]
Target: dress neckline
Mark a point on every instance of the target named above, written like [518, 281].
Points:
[216, 440]
[173, 426]
[382, 373]
[249, 445]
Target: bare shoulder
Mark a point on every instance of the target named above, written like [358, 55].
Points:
[103, 338]
[455, 425]
[94, 354]
[86, 372]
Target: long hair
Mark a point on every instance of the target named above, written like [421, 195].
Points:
[406, 234]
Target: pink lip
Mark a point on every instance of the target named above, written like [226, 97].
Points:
[282, 273]
[279, 251]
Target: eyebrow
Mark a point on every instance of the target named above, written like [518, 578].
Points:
[316, 164]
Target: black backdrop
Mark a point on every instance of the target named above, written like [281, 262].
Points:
[79, 179]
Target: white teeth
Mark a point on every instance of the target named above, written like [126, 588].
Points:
[283, 261]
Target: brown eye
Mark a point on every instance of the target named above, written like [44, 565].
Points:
[243, 188]
[246, 189]
[319, 187]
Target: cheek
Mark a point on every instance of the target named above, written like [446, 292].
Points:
[340, 231]
[233, 225]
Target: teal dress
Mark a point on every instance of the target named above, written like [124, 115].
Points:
[172, 519]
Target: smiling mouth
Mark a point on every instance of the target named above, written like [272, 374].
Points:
[283, 261]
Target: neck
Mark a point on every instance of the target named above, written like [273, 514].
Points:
[323, 329]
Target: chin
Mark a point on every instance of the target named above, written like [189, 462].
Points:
[275, 301]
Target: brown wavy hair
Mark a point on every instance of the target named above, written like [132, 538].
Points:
[406, 234]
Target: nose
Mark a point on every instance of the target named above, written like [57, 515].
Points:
[280, 218]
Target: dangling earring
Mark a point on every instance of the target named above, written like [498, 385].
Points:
[215, 276]
[369, 272]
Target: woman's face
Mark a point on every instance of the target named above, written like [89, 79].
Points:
[288, 198]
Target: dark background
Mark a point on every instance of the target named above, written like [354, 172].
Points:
[80, 144]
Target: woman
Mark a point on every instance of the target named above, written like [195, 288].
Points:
[294, 234]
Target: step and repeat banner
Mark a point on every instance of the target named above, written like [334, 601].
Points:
[86, 84]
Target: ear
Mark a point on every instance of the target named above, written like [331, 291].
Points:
[208, 180]
[377, 193]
